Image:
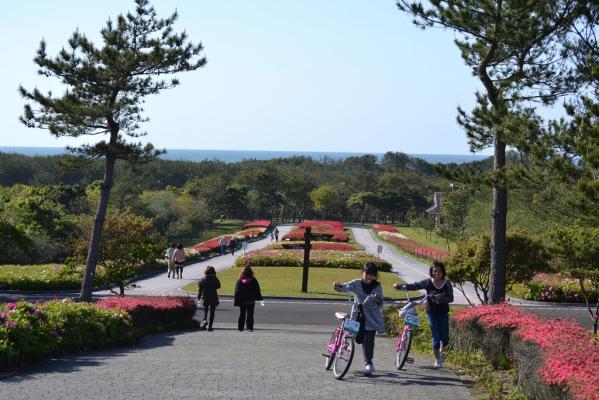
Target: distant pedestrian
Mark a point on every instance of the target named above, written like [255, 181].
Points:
[247, 292]
[272, 236]
[233, 244]
[276, 234]
[179, 258]
[169, 259]
[207, 291]
[223, 244]
[437, 306]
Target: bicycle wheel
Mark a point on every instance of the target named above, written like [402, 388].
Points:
[344, 357]
[328, 362]
[401, 354]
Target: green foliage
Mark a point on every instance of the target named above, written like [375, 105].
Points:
[325, 199]
[526, 255]
[38, 277]
[15, 245]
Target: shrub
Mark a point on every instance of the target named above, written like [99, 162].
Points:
[332, 224]
[316, 246]
[383, 228]
[327, 232]
[414, 248]
[262, 223]
[318, 258]
[148, 311]
[38, 277]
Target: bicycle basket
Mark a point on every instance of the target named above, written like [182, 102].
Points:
[412, 319]
[351, 326]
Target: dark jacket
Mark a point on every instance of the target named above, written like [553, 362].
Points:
[207, 290]
[247, 291]
[433, 306]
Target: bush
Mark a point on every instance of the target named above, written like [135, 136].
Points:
[318, 258]
[38, 277]
[262, 223]
[315, 245]
[383, 228]
[332, 224]
[148, 311]
[325, 232]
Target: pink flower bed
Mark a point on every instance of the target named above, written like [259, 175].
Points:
[337, 235]
[383, 228]
[319, 246]
[570, 353]
[150, 310]
[413, 247]
[333, 224]
[261, 223]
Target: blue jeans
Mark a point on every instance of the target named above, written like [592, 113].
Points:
[440, 329]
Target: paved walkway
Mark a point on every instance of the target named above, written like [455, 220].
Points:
[273, 362]
[405, 267]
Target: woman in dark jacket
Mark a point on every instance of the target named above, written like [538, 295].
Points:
[207, 290]
[247, 292]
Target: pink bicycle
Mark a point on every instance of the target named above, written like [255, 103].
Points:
[404, 340]
[341, 347]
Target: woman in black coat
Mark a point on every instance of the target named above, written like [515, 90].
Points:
[247, 292]
[207, 290]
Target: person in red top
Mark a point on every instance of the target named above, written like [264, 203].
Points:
[179, 258]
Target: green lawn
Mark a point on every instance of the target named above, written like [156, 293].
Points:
[428, 238]
[36, 277]
[286, 281]
[219, 228]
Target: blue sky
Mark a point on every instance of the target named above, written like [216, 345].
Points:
[308, 75]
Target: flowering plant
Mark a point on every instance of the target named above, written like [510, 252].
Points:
[262, 223]
[332, 224]
[383, 228]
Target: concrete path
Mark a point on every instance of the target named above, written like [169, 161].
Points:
[407, 268]
[273, 362]
[161, 285]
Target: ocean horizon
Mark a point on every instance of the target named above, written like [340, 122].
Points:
[232, 156]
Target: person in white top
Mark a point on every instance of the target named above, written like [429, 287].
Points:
[169, 253]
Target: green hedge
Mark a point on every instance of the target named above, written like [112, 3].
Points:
[37, 277]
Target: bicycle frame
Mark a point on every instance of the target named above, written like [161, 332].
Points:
[340, 332]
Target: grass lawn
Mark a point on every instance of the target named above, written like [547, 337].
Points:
[287, 281]
[219, 228]
[428, 238]
[36, 277]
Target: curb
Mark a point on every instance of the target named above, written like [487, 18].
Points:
[521, 302]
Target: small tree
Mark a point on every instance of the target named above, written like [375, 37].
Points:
[129, 243]
[472, 262]
[577, 250]
[105, 88]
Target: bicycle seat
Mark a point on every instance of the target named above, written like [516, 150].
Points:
[340, 315]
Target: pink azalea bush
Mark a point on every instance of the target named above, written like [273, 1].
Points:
[261, 223]
[383, 228]
[569, 354]
[316, 245]
[332, 224]
[150, 310]
[335, 234]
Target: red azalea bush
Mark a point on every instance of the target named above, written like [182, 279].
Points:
[552, 355]
[413, 247]
[332, 224]
[261, 223]
[383, 228]
[336, 235]
[317, 246]
[149, 311]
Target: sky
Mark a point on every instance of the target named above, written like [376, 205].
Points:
[310, 75]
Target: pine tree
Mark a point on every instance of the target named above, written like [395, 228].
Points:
[105, 90]
[513, 47]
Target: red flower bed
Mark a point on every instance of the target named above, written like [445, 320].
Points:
[333, 224]
[570, 353]
[417, 249]
[383, 228]
[261, 223]
[337, 235]
[147, 310]
[202, 249]
[320, 246]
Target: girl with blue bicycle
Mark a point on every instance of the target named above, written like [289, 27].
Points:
[437, 306]
[370, 296]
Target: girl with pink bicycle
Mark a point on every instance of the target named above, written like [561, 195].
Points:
[369, 296]
[439, 294]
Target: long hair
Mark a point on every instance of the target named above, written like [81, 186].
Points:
[246, 272]
[209, 270]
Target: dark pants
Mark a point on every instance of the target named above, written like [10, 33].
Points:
[246, 316]
[368, 346]
[179, 271]
[439, 329]
[212, 309]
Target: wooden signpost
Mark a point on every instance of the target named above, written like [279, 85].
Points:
[307, 237]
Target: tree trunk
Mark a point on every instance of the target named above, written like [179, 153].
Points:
[498, 227]
[94, 244]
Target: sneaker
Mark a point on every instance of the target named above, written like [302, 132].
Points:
[438, 363]
[368, 369]
[372, 366]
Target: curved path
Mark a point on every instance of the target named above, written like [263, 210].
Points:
[407, 268]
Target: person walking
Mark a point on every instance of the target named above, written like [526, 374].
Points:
[233, 245]
[437, 306]
[276, 234]
[179, 259]
[223, 245]
[247, 292]
[207, 291]
[169, 259]
[369, 293]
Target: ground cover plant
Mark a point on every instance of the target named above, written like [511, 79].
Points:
[29, 331]
[318, 258]
[38, 277]
[551, 288]
[332, 224]
[321, 231]
[286, 282]
[262, 223]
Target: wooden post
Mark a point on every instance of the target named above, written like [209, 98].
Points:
[306, 259]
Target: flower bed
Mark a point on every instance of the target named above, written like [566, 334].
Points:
[414, 248]
[318, 258]
[149, 311]
[332, 224]
[37, 277]
[383, 228]
[262, 223]
[552, 287]
[29, 331]
[552, 355]
[327, 232]
[316, 245]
